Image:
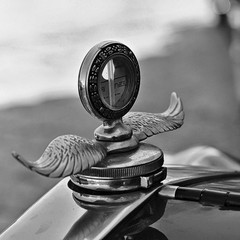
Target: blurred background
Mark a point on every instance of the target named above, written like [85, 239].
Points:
[191, 47]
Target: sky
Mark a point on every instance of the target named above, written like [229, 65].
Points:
[42, 43]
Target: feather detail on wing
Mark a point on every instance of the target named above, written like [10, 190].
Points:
[145, 125]
[66, 155]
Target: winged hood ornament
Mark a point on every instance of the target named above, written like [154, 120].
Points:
[66, 155]
[145, 124]
[109, 81]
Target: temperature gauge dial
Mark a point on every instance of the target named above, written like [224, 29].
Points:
[109, 80]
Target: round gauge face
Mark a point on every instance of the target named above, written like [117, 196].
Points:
[116, 83]
[109, 80]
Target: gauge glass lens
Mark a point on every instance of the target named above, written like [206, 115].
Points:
[116, 84]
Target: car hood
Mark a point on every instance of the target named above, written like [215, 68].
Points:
[149, 216]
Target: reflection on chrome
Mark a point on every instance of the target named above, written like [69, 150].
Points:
[133, 227]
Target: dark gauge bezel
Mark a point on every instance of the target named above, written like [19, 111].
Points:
[88, 81]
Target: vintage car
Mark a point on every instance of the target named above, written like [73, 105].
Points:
[118, 187]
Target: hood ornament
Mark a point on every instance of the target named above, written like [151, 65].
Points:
[109, 81]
